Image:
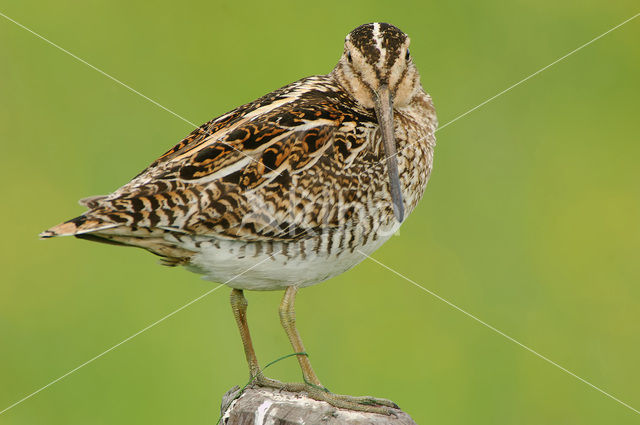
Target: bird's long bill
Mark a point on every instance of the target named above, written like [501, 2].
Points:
[384, 112]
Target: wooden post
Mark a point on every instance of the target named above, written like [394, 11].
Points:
[261, 406]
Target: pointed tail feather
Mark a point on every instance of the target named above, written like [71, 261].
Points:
[76, 226]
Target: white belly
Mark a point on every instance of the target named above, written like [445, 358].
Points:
[277, 265]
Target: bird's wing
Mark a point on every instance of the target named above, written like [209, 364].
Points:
[230, 177]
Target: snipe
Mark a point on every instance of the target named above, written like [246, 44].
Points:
[286, 191]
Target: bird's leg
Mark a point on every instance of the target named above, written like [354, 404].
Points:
[239, 307]
[288, 321]
[312, 386]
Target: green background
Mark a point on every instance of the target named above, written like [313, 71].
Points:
[530, 221]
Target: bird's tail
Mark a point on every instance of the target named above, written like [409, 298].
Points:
[77, 226]
[92, 227]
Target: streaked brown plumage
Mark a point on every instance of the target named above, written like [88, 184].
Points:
[298, 181]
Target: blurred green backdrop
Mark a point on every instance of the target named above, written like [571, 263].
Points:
[530, 220]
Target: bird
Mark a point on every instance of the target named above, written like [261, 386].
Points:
[286, 191]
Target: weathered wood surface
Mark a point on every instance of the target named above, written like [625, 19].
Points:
[265, 406]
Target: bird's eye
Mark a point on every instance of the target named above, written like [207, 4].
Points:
[407, 56]
[349, 57]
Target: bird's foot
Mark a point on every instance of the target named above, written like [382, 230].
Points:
[362, 404]
[260, 380]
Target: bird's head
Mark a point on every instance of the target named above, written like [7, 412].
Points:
[376, 61]
[377, 70]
